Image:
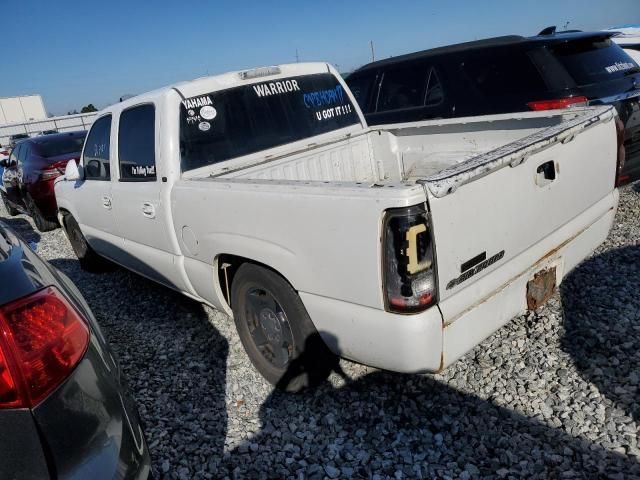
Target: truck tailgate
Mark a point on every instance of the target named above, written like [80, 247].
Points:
[489, 209]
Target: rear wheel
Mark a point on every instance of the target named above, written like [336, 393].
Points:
[89, 259]
[10, 209]
[276, 331]
[42, 224]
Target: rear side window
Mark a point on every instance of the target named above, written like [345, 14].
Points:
[136, 144]
[594, 61]
[96, 151]
[221, 125]
[403, 88]
[504, 72]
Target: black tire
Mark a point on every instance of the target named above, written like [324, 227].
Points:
[90, 261]
[261, 297]
[42, 224]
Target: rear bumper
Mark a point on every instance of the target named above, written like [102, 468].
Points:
[630, 172]
[91, 428]
[425, 342]
[90, 425]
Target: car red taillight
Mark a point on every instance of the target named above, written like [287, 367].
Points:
[49, 173]
[42, 339]
[409, 270]
[620, 179]
[557, 103]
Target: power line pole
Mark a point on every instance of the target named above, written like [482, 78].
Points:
[297, 57]
[373, 55]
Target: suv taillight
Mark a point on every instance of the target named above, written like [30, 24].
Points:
[409, 270]
[558, 103]
[42, 339]
[621, 154]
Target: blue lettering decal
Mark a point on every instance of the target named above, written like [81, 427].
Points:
[322, 98]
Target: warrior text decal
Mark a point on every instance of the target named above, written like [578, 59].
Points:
[276, 88]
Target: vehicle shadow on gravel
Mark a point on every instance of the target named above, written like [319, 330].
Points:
[153, 330]
[23, 228]
[411, 426]
[601, 303]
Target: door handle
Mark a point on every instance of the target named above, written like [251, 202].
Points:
[546, 173]
[148, 210]
[106, 202]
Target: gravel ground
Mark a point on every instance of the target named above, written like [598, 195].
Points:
[552, 395]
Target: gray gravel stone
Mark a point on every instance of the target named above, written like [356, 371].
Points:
[551, 395]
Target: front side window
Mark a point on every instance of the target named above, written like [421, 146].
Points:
[136, 144]
[226, 124]
[403, 88]
[361, 89]
[96, 151]
[434, 90]
[23, 153]
[13, 158]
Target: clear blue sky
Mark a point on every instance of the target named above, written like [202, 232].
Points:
[75, 52]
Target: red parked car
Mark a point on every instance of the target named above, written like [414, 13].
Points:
[29, 173]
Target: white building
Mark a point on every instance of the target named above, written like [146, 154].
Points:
[21, 109]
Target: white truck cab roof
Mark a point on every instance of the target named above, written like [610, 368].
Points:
[267, 74]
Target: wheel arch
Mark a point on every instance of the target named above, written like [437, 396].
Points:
[226, 265]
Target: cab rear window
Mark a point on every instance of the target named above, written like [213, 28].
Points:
[221, 125]
[594, 61]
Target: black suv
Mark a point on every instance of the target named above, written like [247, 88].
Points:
[503, 75]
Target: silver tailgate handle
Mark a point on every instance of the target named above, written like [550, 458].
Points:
[148, 210]
[106, 202]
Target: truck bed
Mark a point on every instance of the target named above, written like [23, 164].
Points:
[443, 154]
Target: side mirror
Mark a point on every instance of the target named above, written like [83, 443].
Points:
[71, 171]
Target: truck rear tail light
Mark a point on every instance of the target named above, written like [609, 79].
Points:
[42, 339]
[408, 261]
[557, 103]
[620, 179]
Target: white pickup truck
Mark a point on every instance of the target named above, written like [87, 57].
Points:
[264, 194]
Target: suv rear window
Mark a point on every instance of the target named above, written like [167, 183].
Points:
[594, 61]
[217, 126]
